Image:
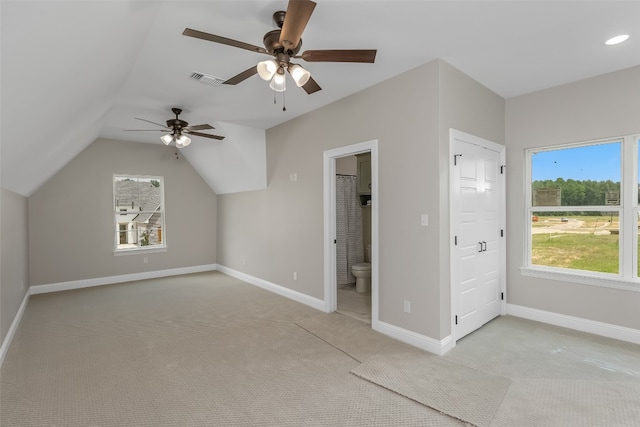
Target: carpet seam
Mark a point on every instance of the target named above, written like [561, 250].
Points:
[414, 400]
[327, 342]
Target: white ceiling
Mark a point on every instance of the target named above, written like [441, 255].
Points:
[73, 71]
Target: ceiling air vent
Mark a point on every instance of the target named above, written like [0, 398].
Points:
[206, 79]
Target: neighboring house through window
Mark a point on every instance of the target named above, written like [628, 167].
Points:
[138, 213]
[583, 212]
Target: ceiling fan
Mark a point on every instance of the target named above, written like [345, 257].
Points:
[284, 44]
[178, 130]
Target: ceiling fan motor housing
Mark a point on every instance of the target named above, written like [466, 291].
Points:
[272, 43]
[176, 124]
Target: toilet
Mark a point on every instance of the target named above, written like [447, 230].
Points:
[362, 272]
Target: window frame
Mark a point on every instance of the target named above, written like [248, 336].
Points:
[116, 211]
[628, 210]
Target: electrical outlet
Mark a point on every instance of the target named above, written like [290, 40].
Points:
[424, 220]
[145, 260]
[295, 275]
[407, 306]
[244, 261]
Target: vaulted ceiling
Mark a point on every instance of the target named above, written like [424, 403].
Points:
[74, 71]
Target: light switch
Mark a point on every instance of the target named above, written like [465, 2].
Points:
[424, 220]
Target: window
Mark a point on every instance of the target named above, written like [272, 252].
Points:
[138, 203]
[582, 211]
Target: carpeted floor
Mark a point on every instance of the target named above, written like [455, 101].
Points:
[209, 350]
[196, 350]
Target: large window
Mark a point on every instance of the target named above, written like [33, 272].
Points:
[582, 209]
[138, 203]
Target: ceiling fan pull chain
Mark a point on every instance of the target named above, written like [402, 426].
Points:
[284, 102]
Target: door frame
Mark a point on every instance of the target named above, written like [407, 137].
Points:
[454, 218]
[329, 174]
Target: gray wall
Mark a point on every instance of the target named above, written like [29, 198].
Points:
[467, 106]
[599, 107]
[272, 233]
[71, 228]
[14, 254]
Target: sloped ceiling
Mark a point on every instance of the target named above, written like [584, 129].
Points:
[73, 71]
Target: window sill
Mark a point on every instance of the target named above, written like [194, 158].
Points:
[584, 278]
[138, 251]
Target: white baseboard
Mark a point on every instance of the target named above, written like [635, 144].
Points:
[439, 347]
[6, 343]
[579, 324]
[110, 280]
[276, 289]
[409, 337]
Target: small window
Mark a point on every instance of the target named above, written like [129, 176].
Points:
[138, 212]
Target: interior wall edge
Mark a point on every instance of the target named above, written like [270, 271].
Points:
[6, 343]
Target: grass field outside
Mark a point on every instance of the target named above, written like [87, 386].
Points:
[580, 242]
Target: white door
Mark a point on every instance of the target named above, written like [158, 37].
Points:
[477, 253]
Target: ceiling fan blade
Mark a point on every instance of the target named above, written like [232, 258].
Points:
[242, 76]
[153, 123]
[360, 55]
[200, 127]
[206, 135]
[222, 40]
[146, 130]
[295, 21]
[311, 86]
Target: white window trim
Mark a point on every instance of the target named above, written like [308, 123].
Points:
[142, 249]
[138, 251]
[626, 279]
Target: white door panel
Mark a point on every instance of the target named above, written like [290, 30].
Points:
[477, 193]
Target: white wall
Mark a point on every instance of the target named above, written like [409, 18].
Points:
[599, 107]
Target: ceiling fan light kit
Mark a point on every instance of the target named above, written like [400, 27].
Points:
[299, 74]
[267, 69]
[284, 44]
[181, 141]
[278, 82]
[177, 129]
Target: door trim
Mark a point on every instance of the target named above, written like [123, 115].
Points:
[329, 173]
[471, 139]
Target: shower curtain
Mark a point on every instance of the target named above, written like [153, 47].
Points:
[349, 240]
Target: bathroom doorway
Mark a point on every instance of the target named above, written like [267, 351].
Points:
[353, 236]
[343, 297]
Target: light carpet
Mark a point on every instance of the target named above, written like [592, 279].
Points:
[464, 393]
[210, 350]
[195, 350]
[570, 403]
[511, 372]
[349, 335]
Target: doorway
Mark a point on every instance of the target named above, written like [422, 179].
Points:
[477, 253]
[353, 236]
[330, 237]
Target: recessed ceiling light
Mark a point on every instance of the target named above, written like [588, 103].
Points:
[616, 39]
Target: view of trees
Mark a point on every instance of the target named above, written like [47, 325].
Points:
[580, 193]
